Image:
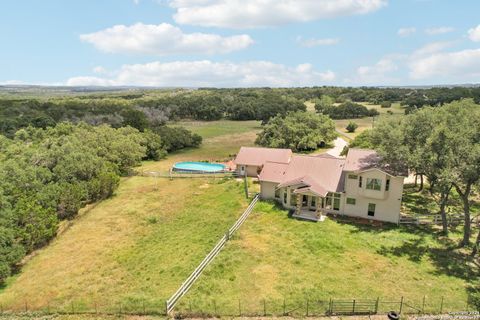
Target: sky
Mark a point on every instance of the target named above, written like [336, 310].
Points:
[239, 43]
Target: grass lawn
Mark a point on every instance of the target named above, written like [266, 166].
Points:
[138, 246]
[275, 257]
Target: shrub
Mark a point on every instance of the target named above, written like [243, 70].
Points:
[386, 104]
[351, 127]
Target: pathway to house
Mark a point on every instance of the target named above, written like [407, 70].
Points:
[338, 145]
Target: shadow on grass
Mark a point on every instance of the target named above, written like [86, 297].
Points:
[447, 258]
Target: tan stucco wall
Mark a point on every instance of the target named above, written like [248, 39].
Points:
[267, 190]
[388, 203]
[252, 171]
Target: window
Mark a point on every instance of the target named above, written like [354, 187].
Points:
[293, 199]
[277, 193]
[374, 184]
[333, 201]
[336, 204]
[360, 180]
[371, 209]
[352, 176]
[351, 201]
[387, 185]
[285, 197]
[313, 203]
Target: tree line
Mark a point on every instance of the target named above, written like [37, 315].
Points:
[142, 108]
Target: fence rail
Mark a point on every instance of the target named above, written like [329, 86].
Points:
[431, 219]
[187, 284]
[295, 306]
[178, 174]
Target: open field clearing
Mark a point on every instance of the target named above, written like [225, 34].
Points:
[363, 124]
[212, 129]
[275, 257]
[136, 247]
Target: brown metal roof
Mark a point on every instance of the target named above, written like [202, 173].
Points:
[251, 156]
[361, 159]
[319, 173]
[273, 172]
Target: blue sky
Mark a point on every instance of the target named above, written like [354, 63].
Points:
[240, 43]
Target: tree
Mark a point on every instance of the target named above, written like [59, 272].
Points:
[351, 127]
[324, 103]
[362, 141]
[386, 104]
[134, 118]
[299, 131]
[462, 122]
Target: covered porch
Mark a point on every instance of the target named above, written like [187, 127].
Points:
[309, 206]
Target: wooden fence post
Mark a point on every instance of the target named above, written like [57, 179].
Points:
[441, 306]
[246, 185]
[401, 306]
[376, 305]
[96, 309]
[307, 307]
[264, 308]
[330, 306]
[353, 306]
[423, 305]
[26, 306]
[284, 307]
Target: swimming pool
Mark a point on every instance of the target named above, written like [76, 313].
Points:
[192, 166]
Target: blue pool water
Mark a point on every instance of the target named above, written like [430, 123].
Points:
[191, 166]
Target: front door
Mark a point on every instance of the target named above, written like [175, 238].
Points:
[242, 170]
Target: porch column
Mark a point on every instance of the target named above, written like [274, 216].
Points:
[299, 203]
[318, 206]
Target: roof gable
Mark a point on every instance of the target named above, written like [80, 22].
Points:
[319, 173]
[259, 156]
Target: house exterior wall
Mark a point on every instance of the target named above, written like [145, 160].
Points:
[267, 190]
[252, 171]
[387, 203]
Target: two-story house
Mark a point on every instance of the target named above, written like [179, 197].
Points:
[315, 186]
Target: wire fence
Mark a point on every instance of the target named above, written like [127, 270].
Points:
[222, 307]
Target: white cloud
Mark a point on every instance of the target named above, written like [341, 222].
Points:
[377, 73]
[474, 34]
[405, 32]
[438, 30]
[264, 13]
[463, 65]
[136, 1]
[312, 42]
[206, 73]
[162, 39]
[431, 48]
